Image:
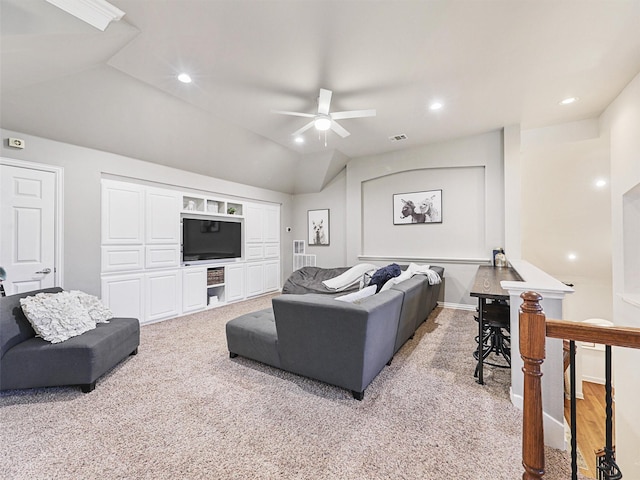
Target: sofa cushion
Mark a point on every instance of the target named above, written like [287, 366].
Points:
[254, 336]
[77, 361]
[56, 317]
[14, 326]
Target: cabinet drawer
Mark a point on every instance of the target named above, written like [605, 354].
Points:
[159, 256]
[122, 258]
[254, 252]
[272, 250]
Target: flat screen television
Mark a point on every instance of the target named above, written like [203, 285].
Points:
[210, 239]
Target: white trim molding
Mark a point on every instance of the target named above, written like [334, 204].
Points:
[97, 13]
[429, 260]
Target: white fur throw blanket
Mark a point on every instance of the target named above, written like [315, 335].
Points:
[348, 278]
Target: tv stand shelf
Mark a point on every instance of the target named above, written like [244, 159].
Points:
[211, 206]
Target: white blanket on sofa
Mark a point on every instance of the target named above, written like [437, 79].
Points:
[413, 269]
[348, 278]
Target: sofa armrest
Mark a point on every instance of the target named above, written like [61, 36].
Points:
[336, 342]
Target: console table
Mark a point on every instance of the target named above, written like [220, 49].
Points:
[487, 286]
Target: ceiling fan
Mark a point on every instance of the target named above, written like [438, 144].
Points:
[323, 120]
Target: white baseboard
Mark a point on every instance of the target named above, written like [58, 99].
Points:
[590, 379]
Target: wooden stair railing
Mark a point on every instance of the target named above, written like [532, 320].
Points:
[534, 327]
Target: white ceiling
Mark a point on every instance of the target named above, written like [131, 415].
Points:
[492, 63]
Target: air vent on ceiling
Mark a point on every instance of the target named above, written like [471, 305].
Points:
[397, 138]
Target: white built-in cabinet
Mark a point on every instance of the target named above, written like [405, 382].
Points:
[234, 279]
[122, 213]
[262, 247]
[163, 292]
[142, 273]
[194, 293]
[124, 294]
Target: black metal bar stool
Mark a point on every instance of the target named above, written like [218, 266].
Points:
[496, 336]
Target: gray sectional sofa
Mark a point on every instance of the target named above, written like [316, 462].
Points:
[343, 344]
[27, 361]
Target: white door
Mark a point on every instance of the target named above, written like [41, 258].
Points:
[27, 218]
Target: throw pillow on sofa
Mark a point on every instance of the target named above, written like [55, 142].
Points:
[56, 317]
[97, 310]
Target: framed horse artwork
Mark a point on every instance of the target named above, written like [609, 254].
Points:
[417, 207]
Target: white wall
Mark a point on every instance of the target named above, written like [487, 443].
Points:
[83, 169]
[563, 212]
[620, 124]
[333, 198]
[469, 171]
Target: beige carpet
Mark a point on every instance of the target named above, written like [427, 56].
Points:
[182, 409]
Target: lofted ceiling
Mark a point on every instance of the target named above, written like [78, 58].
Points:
[491, 64]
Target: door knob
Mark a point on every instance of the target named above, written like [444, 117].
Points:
[45, 271]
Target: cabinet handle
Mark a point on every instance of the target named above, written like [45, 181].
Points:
[45, 271]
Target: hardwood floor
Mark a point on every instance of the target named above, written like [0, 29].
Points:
[590, 419]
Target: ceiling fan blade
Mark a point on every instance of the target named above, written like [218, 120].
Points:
[295, 114]
[353, 114]
[303, 129]
[339, 129]
[324, 101]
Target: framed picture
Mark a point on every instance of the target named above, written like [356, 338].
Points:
[318, 226]
[417, 207]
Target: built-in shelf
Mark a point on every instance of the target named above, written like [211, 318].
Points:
[211, 206]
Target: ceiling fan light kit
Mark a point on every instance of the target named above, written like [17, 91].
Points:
[323, 120]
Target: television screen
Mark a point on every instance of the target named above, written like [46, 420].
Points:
[210, 239]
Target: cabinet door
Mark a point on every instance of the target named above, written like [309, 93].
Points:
[122, 213]
[119, 258]
[271, 276]
[162, 216]
[254, 251]
[271, 250]
[124, 295]
[234, 279]
[162, 256]
[194, 289]
[253, 223]
[271, 225]
[254, 278]
[162, 294]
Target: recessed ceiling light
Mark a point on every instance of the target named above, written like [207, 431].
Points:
[569, 101]
[436, 106]
[601, 182]
[298, 140]
[572, 256]
[184, 78]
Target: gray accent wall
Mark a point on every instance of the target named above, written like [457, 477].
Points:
[469, 171]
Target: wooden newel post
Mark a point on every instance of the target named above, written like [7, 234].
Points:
[532, 342]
